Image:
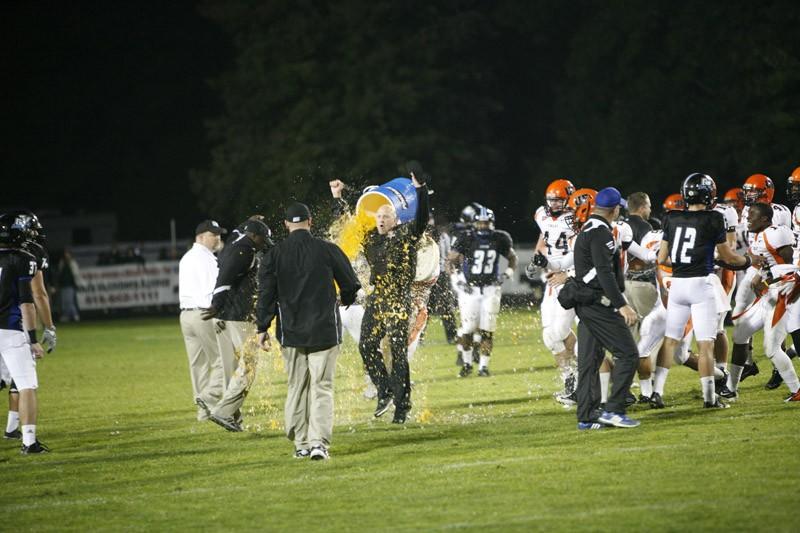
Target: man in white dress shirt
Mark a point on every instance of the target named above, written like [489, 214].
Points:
[197, 275]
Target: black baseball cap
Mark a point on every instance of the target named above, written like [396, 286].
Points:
[297, 212]
[210, 225]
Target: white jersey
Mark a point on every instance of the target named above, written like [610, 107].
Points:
[796, 231]
[742, 239]
[781, 216]
[766, 244]
[557, 234]
[729, 215]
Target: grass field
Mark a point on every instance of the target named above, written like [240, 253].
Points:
[483, 453]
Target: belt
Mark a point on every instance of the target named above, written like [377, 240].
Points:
[194, 309]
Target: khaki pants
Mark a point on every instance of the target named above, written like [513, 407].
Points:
[309, 401]
[642, 296]
[205, 364]
[238, 347]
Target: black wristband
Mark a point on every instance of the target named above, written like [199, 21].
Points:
[32, 336]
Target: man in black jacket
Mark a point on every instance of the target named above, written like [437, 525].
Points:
[604, 322]
[391, 251]
[233, 308]
[296, 285]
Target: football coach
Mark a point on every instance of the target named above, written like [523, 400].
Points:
[604, 316]
[296, 285]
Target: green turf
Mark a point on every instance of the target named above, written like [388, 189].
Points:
[483, 453]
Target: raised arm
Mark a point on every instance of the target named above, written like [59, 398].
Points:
[423, 204]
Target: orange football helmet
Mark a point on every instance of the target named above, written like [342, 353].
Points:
[735, 198]
[580, 204]
[674, 202]
[793, 186]
[556, 196]
[758, 188]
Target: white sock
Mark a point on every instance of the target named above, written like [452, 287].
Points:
[718, 373]
[646, 387]
[484, 361]
[28, 434]
[605, 377]
[735, 374]
[466, 355]
[13, 421]
[707, 384]
[660, 379]
[719, 366]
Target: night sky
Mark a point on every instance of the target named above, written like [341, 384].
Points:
[102, 102]
[104, 105]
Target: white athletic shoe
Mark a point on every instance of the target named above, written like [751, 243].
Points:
[319, 453]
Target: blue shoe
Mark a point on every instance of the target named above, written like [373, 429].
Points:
[617, 420]
[590, 425]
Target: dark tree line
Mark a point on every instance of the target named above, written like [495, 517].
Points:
[498, 98]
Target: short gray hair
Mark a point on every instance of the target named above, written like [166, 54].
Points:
[637, 200]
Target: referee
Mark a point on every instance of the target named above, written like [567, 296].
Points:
[604, 317]
[296, 285]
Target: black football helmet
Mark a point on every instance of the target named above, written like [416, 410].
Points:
[12, 231]
[469, 212]
[32, 228]
[699, 189]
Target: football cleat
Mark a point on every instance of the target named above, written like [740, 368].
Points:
[619, 420]
[749, 370]
[567, 400]
[229, 423]
[584, 426]
[384, 404]
[794, 397]
[319, 453]
[301, 453]
[484, 372]
[643, 399]
[774, 381]
[716, 404]
[656, 401]
[466, 370]
[36, 447]
[13, 435]
[730, 395]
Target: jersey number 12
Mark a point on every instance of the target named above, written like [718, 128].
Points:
[684, 243]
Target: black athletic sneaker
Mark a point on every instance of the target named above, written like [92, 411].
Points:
[716, 404]
[483, 372]
[229, 423]
[775, 381]
[466, 370]
[36, 447]
[13, 435]
[656, 401]
[749, 370]
[384, 404]
[630, 399]
[644, 399]
[400, 415]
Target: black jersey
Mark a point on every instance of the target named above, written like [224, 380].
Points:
[40, 253]
[17, 267]
[482, 251]
[692, 238]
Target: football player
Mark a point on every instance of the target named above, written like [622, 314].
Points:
[34, 243]
[553, 255]
[18, 344]
[689, 241]
[478, 256]
[776, 307]
[460, 230]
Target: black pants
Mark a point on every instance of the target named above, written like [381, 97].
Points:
[602, 328]
[375, 325]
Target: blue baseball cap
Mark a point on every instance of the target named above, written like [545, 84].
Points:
[609, 197]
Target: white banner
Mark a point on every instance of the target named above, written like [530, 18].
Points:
[132, 285]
